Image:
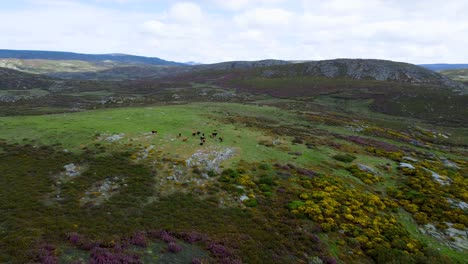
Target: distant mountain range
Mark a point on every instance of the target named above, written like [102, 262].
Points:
[192, 63]
[59, 55]
[444, 66]
[69, 65]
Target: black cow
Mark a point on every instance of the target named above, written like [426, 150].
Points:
[220, 139]
[154, 131]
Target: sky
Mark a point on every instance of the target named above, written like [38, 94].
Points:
[208, 31]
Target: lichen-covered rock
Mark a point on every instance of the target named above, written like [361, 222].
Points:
[71, 170]
[449, 164]
[454, 238]
[410, 159]
[366, 168]
[404, 165]
[443, 180]
[211, 159]
[115, 137]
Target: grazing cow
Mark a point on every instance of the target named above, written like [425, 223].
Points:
[154, 131]
[214, 134]
[203, 135]
[220, 139]
[204, 140]
[193, 134]
[198, 132]
[201, 143]
[180, 134]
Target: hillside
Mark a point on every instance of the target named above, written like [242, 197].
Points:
[343, 161]
[240, 65]
[363, 69]
[133, 72]
[51, 66]
[57, 55]
[356, 69]
[153, 72]
[16, 80]
[460, 75]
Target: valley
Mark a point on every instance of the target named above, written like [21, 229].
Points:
[261, 162]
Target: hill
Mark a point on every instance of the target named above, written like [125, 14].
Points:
[40, 66]
[342, 161]
[16, 80]
[238, 65]
[134, 72]
[444, 66]
[356, 69]
[58, 55]
[131, 72]
[363, 69]
[460, 75]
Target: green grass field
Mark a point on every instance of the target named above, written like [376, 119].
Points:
[75, 130]
[280, 156]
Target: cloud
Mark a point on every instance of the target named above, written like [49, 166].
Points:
[217, 30]
[186, 12]
[244, 4]
[264, 17]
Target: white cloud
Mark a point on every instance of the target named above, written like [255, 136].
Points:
[243, 4]
[269, 17]
[186, 12]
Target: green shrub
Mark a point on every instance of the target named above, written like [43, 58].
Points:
[265, 188]
[228, 175]
[211, 173]
[344, 157]
[264, 166]
[250, 202]
[295, 204]
[239, 190]
[267, 180]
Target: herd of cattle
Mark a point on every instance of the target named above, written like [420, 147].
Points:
[195, 134]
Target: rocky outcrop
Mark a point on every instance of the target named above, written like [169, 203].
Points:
[365, 69]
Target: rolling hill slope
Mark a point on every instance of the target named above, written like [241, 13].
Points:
[356, 69]
[133, 72]
[58, 55]
[360, 69]
[460, 75]
[339, 161]
[16, 80]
